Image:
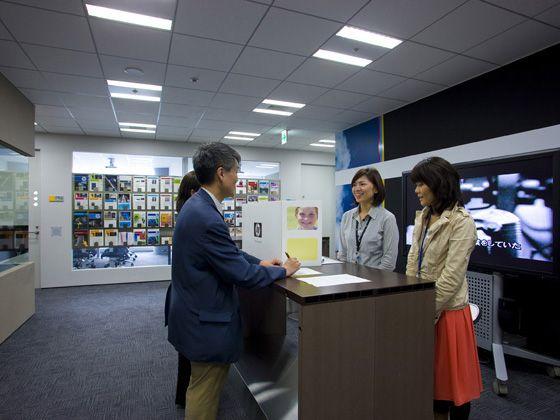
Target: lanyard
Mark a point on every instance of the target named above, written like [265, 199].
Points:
[421, 251]
[359, 239]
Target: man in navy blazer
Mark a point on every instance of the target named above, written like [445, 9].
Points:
[207, 266]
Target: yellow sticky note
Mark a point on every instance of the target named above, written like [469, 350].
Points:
[304, 249]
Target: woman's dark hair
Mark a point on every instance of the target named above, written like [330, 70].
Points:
[209, 157]
[442, 178]
[374, 177]
[189, 185]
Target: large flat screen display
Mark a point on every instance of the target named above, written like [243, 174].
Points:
[514, 203]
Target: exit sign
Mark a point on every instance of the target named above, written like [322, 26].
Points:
[284, 136]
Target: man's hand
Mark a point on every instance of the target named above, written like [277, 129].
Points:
[270, 263]
[291, 265]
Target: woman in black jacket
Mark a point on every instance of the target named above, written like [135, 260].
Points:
[189, 185]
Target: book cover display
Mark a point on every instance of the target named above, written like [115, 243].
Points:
[139, 210]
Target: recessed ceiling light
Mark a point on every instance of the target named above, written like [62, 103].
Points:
[272, 111]
[327, 141]
[342, 58]
[135, 97]
[283, 103]
[132, 85]
[138, 130]
[239, 138]
[137, 125]
[368, 37]
[35, 123]
[243, 133]
[134, 71]
[128, 17]
[321, 145]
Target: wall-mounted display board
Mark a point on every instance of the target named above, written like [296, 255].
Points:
[247, 191]
[123, 210]
[14, 211]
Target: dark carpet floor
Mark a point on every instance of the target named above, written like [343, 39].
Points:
[102, 352]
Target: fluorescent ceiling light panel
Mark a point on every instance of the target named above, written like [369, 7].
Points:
[272, 111]
[239, 138]
[368, 37]
[266, 167]
[128, 17]
[342, 58]
[135, 97]
[283, 103]
[132, 85]
[327, 141]
[137, 125]
[138, 130]
[243, 133]
[321, 145]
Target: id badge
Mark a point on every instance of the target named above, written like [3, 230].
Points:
[358, 258]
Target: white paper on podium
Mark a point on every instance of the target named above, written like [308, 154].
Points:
[335, 280]
[327, 260]
[304, 271]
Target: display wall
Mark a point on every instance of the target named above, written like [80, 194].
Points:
[56, 168]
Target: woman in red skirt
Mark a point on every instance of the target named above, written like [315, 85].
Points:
[444, 237]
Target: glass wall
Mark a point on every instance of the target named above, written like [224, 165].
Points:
[14, 212]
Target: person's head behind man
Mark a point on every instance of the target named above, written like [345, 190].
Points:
[216, 165]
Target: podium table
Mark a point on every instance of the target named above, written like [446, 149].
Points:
[359, 351]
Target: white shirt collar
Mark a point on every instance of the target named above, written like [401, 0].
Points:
[214, 199]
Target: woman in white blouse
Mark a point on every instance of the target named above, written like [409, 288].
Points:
[368, 233]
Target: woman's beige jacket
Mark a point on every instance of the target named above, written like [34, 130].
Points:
[447, 249]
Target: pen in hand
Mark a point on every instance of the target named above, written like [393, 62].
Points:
[287, 255]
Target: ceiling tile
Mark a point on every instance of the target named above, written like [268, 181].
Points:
[136, 117]
[467, 26]
[99, 125]
[160, 8]
[144, 136]
[11, 55]
[456, 70]
[46, 121]
[67, 6]
[310, 124]
[370, 82]
[186, 96]
[517, 42]
[177, 110]
[205, 53]
[318, 112]
[376, 105]
[105, 115]
[64, 61]
[402, 18]
[226, 20]
[51, 111]
[37, 26]
[25, 78]
[85, 101]
[131, 106]
[296, 92]
[409, 58]
[178, 121]
[235, 102]
[529, 8]
[4, 34]
[222, 127]
[292, 32]
[180, 76]
[209, 132]
[43, 97]
[340, 99]
[113, 68]
[330, 9]
[248, 85]
[92, 131]
[54, 129]
[76, 84]
[551, 16]
[354, 117]
[133, 41]
[226, 115]
[266, 63]
[166, 132]
[412, 90]
[322, 72]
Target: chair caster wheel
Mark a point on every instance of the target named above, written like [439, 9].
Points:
[499, 387]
